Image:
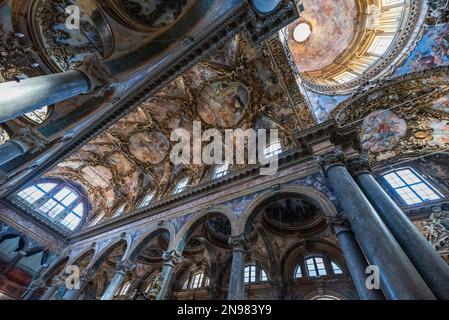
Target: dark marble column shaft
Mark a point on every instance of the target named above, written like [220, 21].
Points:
[424, 257]
[19, 98]
[398, 277]
[172, 258]
[356, 262]
[236, 280]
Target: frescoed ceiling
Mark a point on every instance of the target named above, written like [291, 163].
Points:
[236, 87]
[332, 25]
[431, 49]
[406, 117]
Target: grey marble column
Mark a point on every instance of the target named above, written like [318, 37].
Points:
[32, 288]
[398, 277]
[355, 260]
[236, 278]
[424, 257]
[86, 277]
[123, 268]
[27, 139]
[18, 98]
[11, 150]
[171, 258]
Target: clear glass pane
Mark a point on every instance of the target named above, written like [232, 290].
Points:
[425, 192]
[336, 268]
[62, 194]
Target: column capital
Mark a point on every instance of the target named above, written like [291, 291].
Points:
[172, 257]
[339, 224]
[99, 77]
[239, 242]
[334, 157]
[359, 164]
[37, 284]
[125, 266]
[58, 280]
[29, 139]
[88, 275]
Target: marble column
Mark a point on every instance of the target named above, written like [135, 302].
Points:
[86, 277]
[424, 257]
[171, 258]
[20, 97]
[236, 281]
[355, 260]
[32, 288]
[11, 264]
[123, 268]
[398, 277]
[26, 140]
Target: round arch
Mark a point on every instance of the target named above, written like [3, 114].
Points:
[307, 247]
[60, 263]
[101, 256]
[153, 232]
[182, 236]
[309, 194]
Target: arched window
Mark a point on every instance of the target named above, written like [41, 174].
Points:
[336, 268]
[272, 150]
[124, 290]
[181, 186]
[196, 281]
[221, 171]
[315, 266]
[119, 211]
[57, 201]
[147, 199]
[254, 274]
[38, 116]
[4, 136]
[298, 272]
[411, 187]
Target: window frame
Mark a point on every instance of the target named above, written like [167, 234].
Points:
[178, 189]
[218, 173]
[409, 186]
[63, 218]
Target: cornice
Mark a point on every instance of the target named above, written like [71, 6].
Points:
[287, 159]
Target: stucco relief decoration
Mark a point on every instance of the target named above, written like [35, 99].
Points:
[151, 14]
[63, 46]
[237, 86]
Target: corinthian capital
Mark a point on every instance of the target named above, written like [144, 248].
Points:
[330, 159]
[37, 284]
[126, 266]
[238, 242]
[30, 140]
[359, 164]
[173, 257]
[88, 275]
[99, 77]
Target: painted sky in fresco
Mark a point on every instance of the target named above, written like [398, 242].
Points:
[431, 51]
[323, 105]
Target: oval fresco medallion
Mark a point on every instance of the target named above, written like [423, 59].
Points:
[223, 103]
[382, 130]
[149, 147]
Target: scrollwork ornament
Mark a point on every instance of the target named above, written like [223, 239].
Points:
[126, 266]
[172, 257]
[239, 241]
[330, 159]
[359, 164]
